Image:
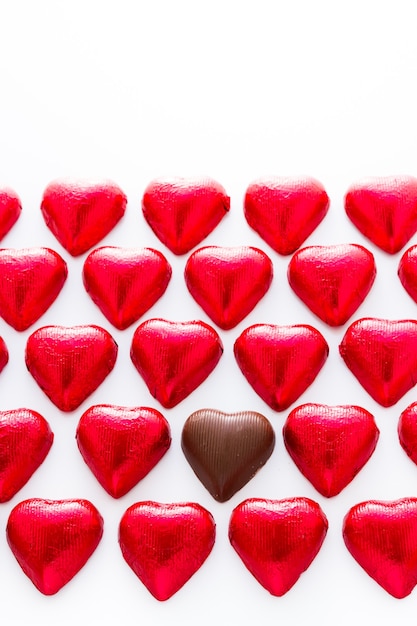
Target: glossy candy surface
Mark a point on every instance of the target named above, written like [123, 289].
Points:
[53, 539]
[122, 444]
[70, 362]
[285, 211]
[228, 282]
[277, 540]
[165, 544]
[382, 538]
[407, 431]
[174, 358]
[125, 282]
[407, 271]
[225, 450]
[330, 444]
[10, 210]
[280, 362]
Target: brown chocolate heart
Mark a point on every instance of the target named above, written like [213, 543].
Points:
[226, 450]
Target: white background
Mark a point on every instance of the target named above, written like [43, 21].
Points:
[233, 90]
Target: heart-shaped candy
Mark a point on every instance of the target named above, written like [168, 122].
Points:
[407, 271]
[382, 538]
[121, 445]
[81, 213]
[407, 431]
[125, 282]
[182, 212]
[330, 444]
[174, 358]
[226, 450]
[4, 354]
[332, 281]
[384, 210]
[10, 209]
[26, 439]
[228, 282]
[30, 281]
[53, 539]
[165, 544]
[382, 354]
[285, 211]
[277, 540]
[280, 362]
[70, 362]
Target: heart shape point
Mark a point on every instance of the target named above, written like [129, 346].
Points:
[330, 444]
[382, 538]
[285, 211]
[280, 362]
[382, 355]
[228, 282]
[174, 358]
[10, 210]
[332, 281]
[30, 281]
[122, 444]
[277, 540]
[125, 282]
[384, 209]
[70, 362]
[26, 439]
[165, 544]
[82, 213]
[182, 212]
[53, 539]
[225, 450]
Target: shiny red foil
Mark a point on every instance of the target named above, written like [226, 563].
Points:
[82, 213]
[30, 281]
[183, 211]
[125, 282]
[382, 354]
[174, 358]
[225, 450]
[384, 209]
[10, 209]
[332, 281]
[280, 362]
[277, 540]
[228, 282]
[70, 362]
[407, 272]
[25, 440]
[407, 431]
[122, 444]
[382, 538]
[165, 544]
[285, 211]
[4, 354]
[330, 444]
[53, 539]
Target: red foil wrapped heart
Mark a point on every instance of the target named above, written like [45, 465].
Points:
[174, 358]
[10, 209]
[182, 212]
[226, 450]
[165, 544]
[382, 538]
[384, 210]
[330, 444]
[53, 539]
[70, 362]
[228, 282]
[25, 438]
[125, 282]
[4, 354]
[332, 281]
[30, 281]
[280, 362]
[407, 431]
[277, 540]
[122, 444]
[285, 211]
[382, 354]
[407, 272]
[81, 213]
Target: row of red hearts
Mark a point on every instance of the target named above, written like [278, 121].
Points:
[182, 212]
[165, 544]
